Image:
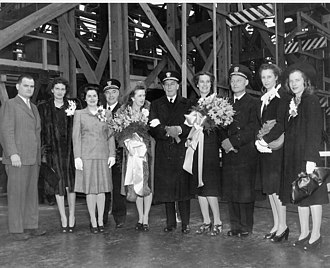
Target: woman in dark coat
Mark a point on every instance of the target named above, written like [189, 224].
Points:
[273, 107]
[209, 192]
[301, 151]
[56, 136]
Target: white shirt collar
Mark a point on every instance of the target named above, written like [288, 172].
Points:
[112, 106]
[173, 98]
[238, 98]
[26, 100]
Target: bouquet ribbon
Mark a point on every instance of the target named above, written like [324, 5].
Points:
[195, 137]
[137, 155]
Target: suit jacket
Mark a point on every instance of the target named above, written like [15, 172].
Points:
[91, 137]
[172, 183]
[239, 169]
[20, 131]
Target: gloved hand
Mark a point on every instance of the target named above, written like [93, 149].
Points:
[174, 132]
[261, 147]
[227, 146]
[310, 167]
[111, 161]
[78, 163]
[154, 122]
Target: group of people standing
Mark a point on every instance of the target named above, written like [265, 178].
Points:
[79, 145]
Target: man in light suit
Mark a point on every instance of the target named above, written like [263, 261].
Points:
[111, 93]
[20, 138]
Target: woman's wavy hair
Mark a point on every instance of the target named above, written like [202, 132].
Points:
[197, 75]
[140, 85]
[59, 80]
[275, 69]
[84, 89]
[309, 88]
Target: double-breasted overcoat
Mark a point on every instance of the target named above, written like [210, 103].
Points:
[171, 182]
[239, 168]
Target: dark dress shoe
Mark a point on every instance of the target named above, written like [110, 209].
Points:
[243, 234]
[302, 242]
[284, 235]
[36, 232]
[168, 229]
[139, 226]
[185, 229]
[71, 228]
[94, 230]
[20, 236]
[101, 229]
[64, 230]
[270, 235]
[145, 227]
[232, 233]
[314, 246]
[119, 225]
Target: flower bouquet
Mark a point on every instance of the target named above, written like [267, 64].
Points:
[265, 129]
[216, 111]
[71, 108]
[130, 129]
[126, 122]
[210, 113]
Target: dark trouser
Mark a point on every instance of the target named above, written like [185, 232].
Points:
[241, 216]
[118, 200]
[184, 209]
[22, 192]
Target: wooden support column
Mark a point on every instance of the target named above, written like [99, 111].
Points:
[119, 45]
[67, 60]
[280, 28]
[171, 14]
[223, 58]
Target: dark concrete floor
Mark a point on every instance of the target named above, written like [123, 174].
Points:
[128, 248]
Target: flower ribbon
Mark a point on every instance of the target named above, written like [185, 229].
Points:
[137, 155]
[195, 137]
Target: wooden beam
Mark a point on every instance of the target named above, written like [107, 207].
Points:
[210, 7]
[29, 23]
[155, 72]
[103, 59]
[308, 19]
[162, 34]
[69, 35]
[210, 59]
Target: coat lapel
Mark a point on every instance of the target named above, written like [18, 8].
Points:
[24, 107]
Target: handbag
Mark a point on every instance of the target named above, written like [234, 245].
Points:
[49, 175]
[306, 184]
[266, 128]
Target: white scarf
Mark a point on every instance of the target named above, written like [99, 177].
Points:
[269, 95]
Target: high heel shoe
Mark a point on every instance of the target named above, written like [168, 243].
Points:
[315, 245]
[139, 226]
[145, 227]
[93, 230]
[301, 242]
[204, 228]
[270, 235]
[279, 238]
[64, 230]
[217, 229]
[101, 229]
